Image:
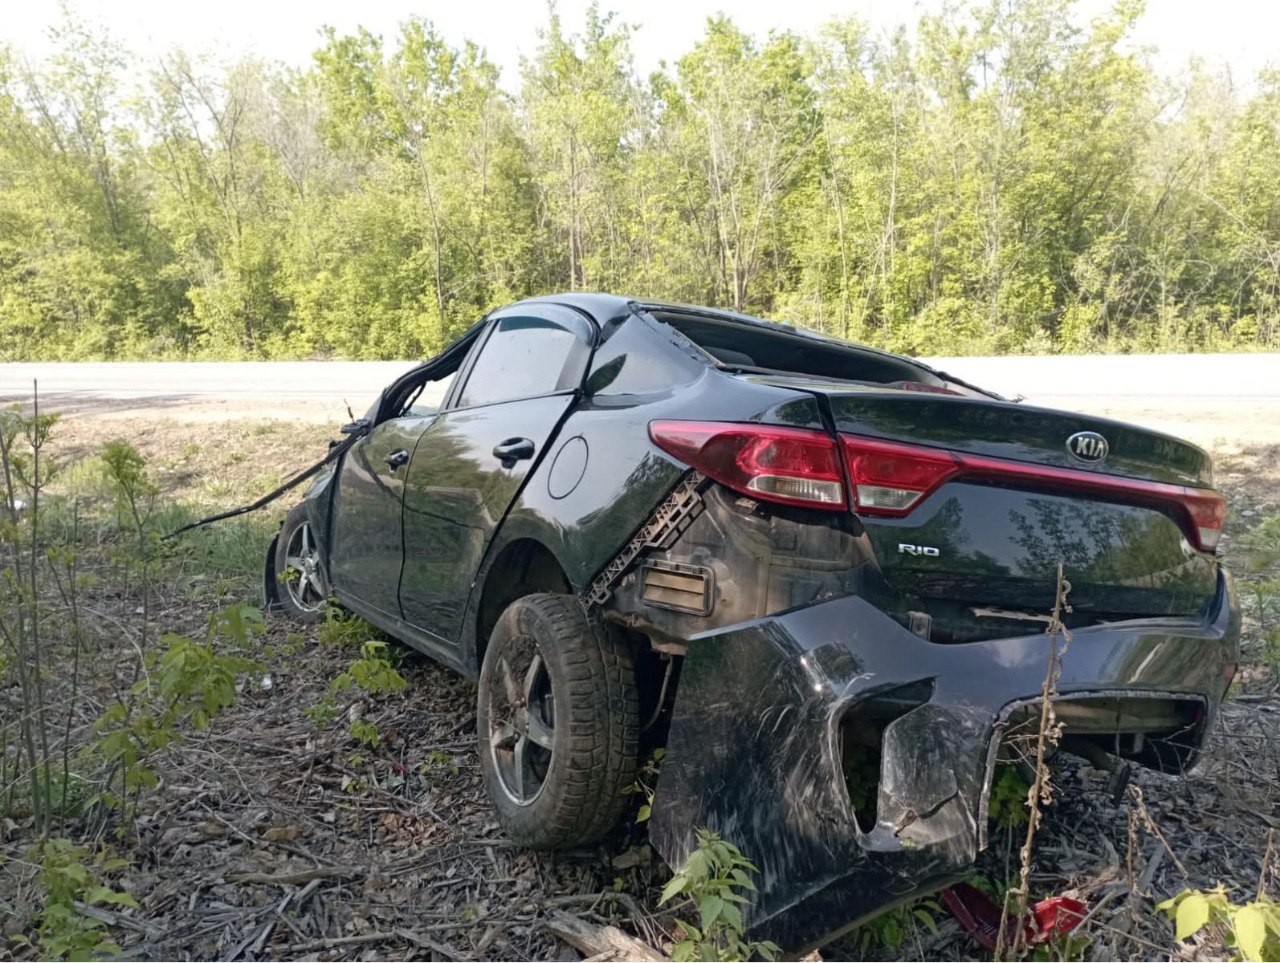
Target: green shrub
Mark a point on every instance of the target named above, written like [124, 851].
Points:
[1252, 929]
[715, 876]
[70, 875]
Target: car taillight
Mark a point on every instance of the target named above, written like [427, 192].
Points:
[889, 478]
[794, 466]
[1208, 511]
[801, 466]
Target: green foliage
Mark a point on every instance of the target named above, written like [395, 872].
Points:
[70, 875]
[365, 732]
[1252, 929]
[187, 685]
[26, 618]
[21, 436]
[1007, 804]
[1263, 545]
[1262, 559]
[127, 470]
[342, 629]
[714, 877]
[647, 783]
[322, 711]
[1007, 177]
[891, 929]
[60, 791]
[373, 673]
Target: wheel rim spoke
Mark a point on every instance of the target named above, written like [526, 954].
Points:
[519, 754]
[521, 720]
[531, 678]
[504, 737]
[306, 585]
[539, 732]
[509, 683]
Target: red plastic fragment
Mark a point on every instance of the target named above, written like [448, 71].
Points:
[1057, 915]
[976, 913]
[980, 917]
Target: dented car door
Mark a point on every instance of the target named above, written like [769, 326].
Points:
[472, 460]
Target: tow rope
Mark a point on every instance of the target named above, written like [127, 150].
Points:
[336, 452]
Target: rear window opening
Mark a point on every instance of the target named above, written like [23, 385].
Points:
[758, 348]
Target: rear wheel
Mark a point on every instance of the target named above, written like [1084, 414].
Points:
[558, 723]
[303, 586]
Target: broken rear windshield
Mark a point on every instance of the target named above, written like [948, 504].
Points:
[744, 346]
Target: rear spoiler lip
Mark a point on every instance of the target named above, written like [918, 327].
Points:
[833, 388]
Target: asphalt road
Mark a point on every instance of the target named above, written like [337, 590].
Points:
[1210, 399]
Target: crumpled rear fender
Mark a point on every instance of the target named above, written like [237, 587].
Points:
[754, 745]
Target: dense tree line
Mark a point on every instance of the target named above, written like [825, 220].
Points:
[1004, 179]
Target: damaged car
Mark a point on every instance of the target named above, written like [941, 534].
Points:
[817, 573]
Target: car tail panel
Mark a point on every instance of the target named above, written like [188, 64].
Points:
[970, 504]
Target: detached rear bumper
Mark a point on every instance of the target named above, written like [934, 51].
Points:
[755, 749]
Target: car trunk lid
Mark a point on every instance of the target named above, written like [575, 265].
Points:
[1001, 496]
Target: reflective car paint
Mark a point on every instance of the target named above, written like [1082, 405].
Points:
[366, 526]
[457, 494]
[809, 613]
[753, 752]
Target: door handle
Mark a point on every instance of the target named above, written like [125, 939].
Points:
[513, 450]
[397, 458]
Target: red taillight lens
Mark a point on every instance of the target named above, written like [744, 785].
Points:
[1208, 511]
[800, 466]
[794, 466]
[888, 478]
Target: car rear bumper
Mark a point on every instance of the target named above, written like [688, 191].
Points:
[755, 753]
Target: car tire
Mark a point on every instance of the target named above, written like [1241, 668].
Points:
[558, 722]
[301, 568]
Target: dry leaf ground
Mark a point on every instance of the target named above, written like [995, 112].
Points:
[272, 837]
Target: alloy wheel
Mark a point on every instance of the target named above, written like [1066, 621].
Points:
[522, 721]
[304, 570]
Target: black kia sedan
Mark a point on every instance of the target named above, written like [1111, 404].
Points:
[819, 574]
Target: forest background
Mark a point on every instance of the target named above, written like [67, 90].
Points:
[1002, 178]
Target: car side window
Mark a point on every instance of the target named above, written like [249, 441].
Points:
[526, 356]
[417, 397]
[427, 398]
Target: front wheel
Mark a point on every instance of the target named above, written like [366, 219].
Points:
[557, 722]
[300, 568]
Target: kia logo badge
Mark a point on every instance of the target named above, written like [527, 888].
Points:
[1088, 446]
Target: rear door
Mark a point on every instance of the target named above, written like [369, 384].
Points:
[366, 522]
[471, 461]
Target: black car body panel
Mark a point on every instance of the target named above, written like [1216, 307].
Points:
[754, 748]
[799, 631]
[1023, 433]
